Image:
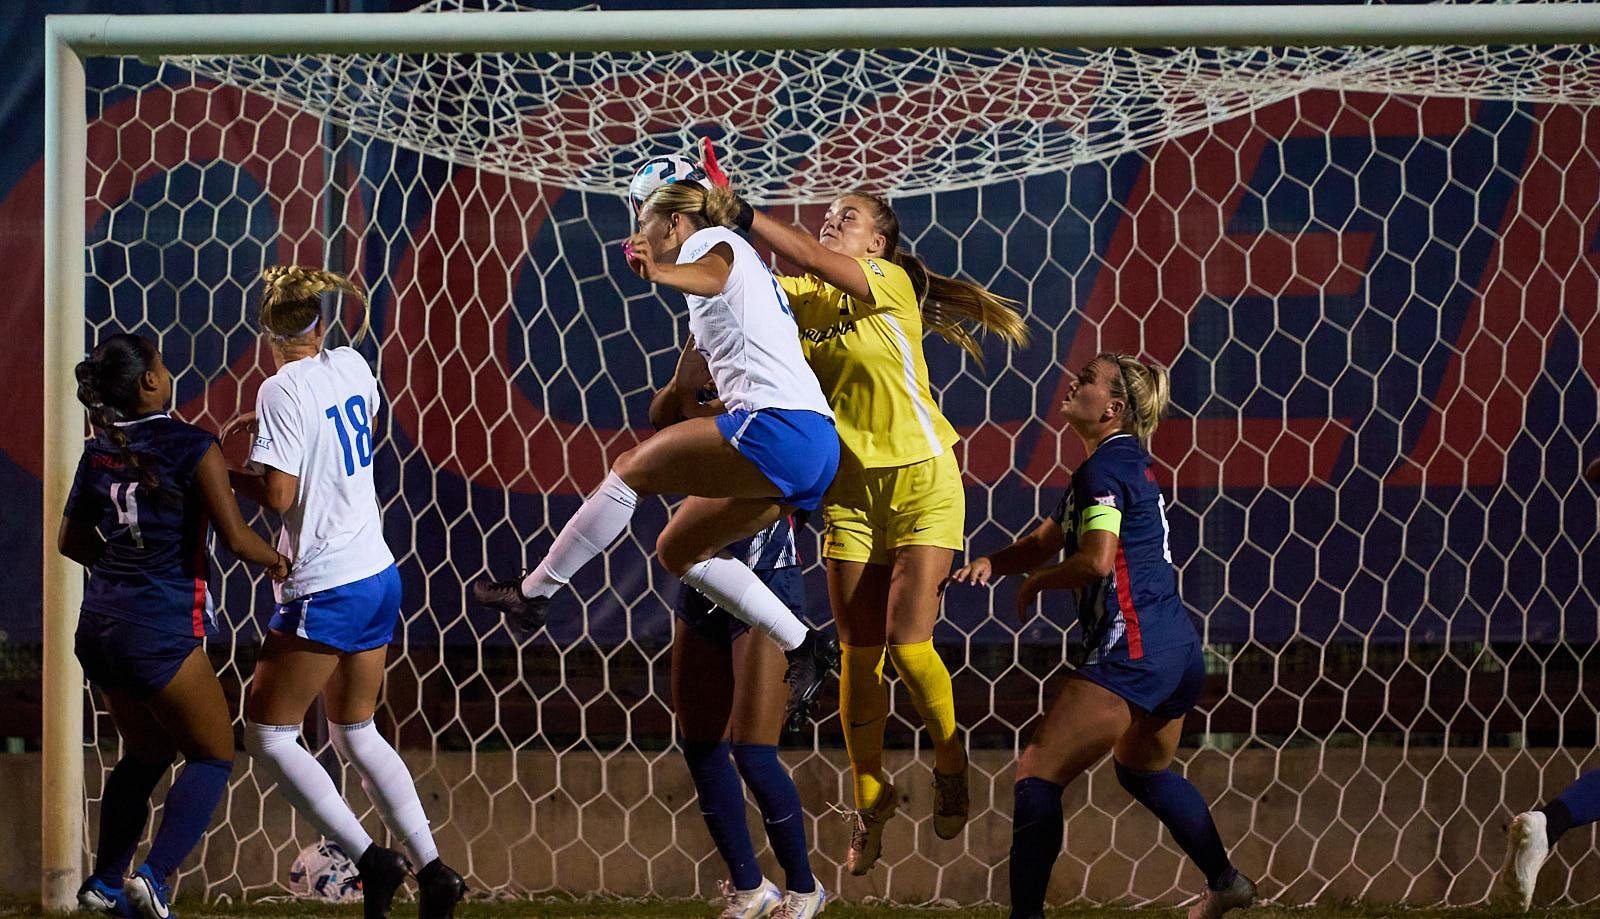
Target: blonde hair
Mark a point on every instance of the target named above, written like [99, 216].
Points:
[712, 207]
[291, 300]
[1145, 389]
[951, 307]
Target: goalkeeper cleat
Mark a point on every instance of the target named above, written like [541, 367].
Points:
[749, 904]
[866, 831]
[1527, 848]
[439, 889]
[96, 896]
[950, 803]
[802, 905]
[1239, 893]
[147, 897]
[524, 615]
[382, 871]
[809, 665]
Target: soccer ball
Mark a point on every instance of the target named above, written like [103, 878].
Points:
[659, 171]
[323, 872]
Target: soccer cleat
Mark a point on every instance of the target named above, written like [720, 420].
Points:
[866, 831]
[809, 666]
[1527, 847]
[523, 615]
[749, 904]
[147, 897]
[1240, 892]
[802, 905]
[950, 803]
[96, 896]
[439, 889]
[382, 871]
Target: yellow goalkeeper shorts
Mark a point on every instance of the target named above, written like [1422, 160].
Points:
[868, 513]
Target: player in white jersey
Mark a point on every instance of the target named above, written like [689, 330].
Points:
[311, 462]
[766, 446]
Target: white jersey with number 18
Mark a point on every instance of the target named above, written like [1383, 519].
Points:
[314, 421]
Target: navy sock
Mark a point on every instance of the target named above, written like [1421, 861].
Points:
[1036, 830]
[722, 805]
[1178, 804]
[124, 810]
[780, 811]
[191, 800]
[1577, 805]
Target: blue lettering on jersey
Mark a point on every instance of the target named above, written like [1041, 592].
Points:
[358, 447]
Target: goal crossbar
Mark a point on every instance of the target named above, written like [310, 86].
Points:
[710, 30]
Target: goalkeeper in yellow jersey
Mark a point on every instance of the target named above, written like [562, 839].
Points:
[895, 515]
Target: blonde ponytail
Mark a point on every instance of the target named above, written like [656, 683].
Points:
[954, 309]
[291, 300]
[708, 207]
[1145, 389]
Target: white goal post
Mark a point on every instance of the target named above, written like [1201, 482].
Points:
[73, 38]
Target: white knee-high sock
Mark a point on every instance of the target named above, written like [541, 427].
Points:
[388, 783]
[596, 525]
[276, 749]
[730, 584]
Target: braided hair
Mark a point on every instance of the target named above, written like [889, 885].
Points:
[108, 386]
[291, 300]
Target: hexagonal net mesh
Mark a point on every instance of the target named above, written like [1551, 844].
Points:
[1372, 274]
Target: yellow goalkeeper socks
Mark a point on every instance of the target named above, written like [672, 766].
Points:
[863, 706]
[927, 682]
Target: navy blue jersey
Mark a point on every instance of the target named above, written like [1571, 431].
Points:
[1136, 609]
[154, 567]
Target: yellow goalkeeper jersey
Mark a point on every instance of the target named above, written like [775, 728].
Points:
[868, 357]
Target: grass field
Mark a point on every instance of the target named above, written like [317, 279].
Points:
[568, 909]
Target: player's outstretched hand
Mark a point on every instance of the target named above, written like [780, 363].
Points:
[639, 254]
[708, 162]
[976, 572]
[241, 429]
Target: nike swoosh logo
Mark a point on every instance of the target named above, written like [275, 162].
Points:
[920, 529]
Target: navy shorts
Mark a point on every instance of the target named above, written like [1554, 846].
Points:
[1164, 683]
[797, 450]
[125, 656]
[353, 617]
[711, 622]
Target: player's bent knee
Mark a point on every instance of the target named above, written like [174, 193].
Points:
[677, 557]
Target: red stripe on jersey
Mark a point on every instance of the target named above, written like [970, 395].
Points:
[1130, 616]
[198, 611]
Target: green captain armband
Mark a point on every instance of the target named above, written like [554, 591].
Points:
[1100, 517]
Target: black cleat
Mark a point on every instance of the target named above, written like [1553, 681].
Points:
[524, 615]
[809, 666]
[382, 871]
[439, 889]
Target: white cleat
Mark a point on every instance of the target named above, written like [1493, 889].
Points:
[1240, 893]
[1527, 848]
[802, 905]
[760, 903]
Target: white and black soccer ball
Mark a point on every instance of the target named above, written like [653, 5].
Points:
[324, 873]
[659, 171]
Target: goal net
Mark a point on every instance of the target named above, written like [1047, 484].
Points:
[1372, 272]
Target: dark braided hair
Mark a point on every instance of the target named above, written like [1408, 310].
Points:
[108, 386]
